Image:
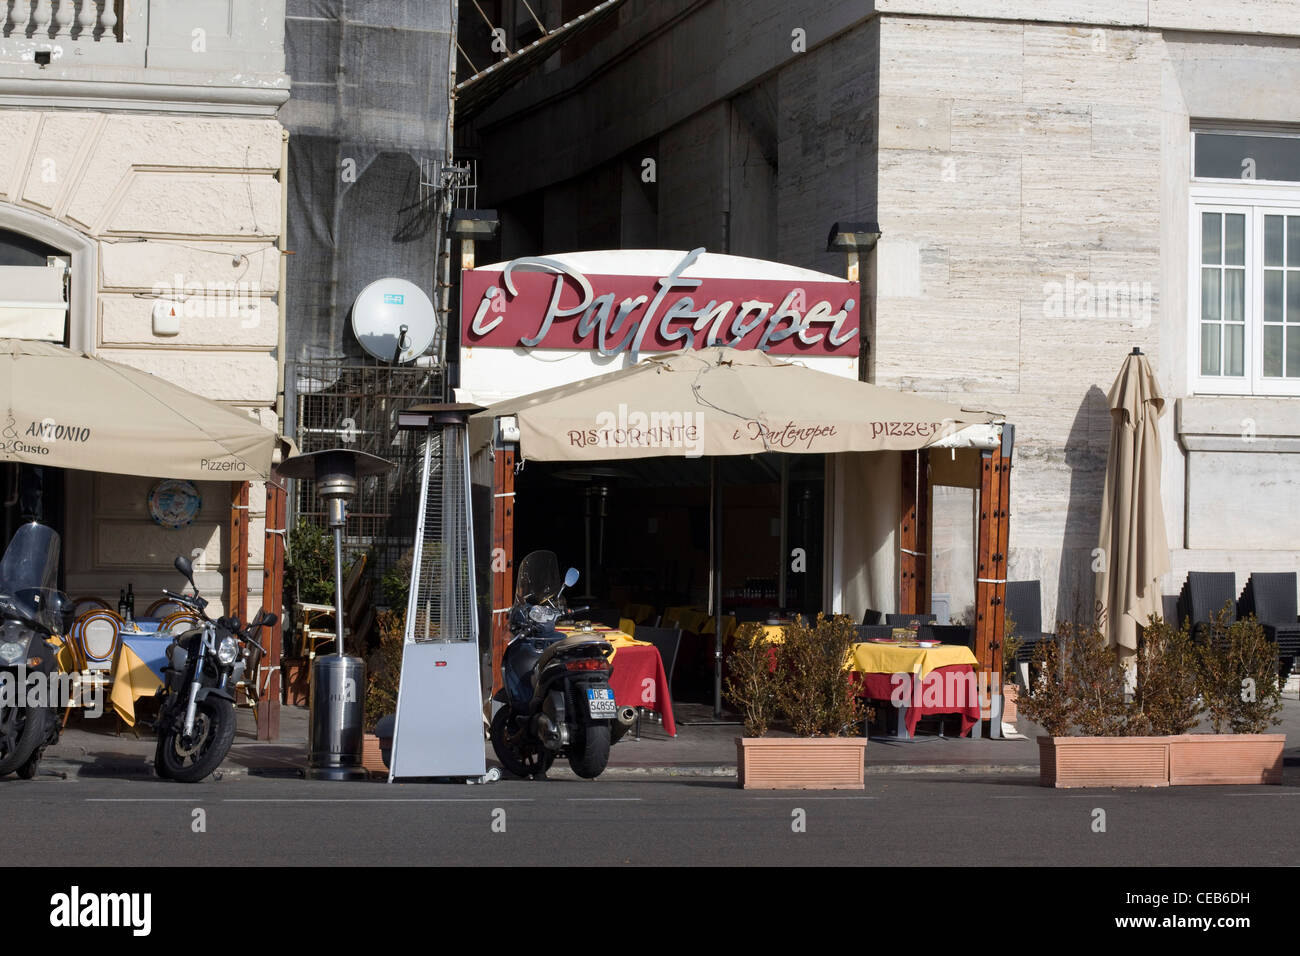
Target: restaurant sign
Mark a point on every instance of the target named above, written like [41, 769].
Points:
[697, 301]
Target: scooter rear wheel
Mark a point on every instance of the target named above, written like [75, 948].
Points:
[522, 760]
[22, 730]
[589, 751]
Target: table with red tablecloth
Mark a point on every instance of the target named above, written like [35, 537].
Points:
[637, 678]
[944, 690]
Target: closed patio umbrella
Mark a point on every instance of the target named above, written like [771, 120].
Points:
[1134, 548]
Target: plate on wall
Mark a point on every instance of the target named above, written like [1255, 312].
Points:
[175, 503]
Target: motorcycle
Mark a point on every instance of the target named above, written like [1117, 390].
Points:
[556, 700]
[196, 720]
[32, 612]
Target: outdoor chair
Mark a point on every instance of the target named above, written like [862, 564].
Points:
[179, 623]
[958, 634]
[83, 604]
[1024, 605]
[608, 616]
[1271, 597]
[164, 607]
[872, 617]
[1205, 594]
[95, 639]
[666, 640]
[867, 631]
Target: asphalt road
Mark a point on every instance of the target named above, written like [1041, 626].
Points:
[902, 820]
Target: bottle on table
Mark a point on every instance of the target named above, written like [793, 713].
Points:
[130, 602]
[121, 603]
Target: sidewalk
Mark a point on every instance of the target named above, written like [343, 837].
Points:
[701, 748]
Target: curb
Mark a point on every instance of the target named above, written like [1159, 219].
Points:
[725, 770]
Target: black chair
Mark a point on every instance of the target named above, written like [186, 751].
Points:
[667, 640]
[867, 631]
[1271, 597]
[1205, 594]
[1024, 605]
[958, 634]
[609, 616]
[908, 620]
[1169, 609]
[873, 617]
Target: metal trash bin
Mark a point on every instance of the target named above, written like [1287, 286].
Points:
[337, 712]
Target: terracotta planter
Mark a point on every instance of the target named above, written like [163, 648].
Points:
[372, 755]
[1185, 759]
[1010, 694]
[801, 763]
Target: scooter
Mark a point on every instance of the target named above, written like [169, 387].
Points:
[32, 611]
[556, 700]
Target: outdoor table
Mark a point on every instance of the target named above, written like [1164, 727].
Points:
[945, 674]
[638, 680]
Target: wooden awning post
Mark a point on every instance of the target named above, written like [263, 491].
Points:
[237, 585]
[268, 677]
[503, 554]
[914, 535]
[991, 555]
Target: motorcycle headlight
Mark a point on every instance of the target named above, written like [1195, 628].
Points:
[227, 650]
[12, 652]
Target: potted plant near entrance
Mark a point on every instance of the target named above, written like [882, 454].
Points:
[801, 679]
[1098, 737]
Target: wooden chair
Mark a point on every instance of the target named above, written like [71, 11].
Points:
[95, 640]
[83, 604]
[164, 607]
[311, 620]
[179, 622]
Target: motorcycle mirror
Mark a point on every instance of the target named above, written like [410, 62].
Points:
[268, 620]
[183, 565]
[570, 577]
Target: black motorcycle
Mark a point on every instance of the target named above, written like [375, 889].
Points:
[196, 720]
[32, 611]
[556, 700]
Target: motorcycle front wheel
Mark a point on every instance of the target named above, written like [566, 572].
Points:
[589, 750]
[189, 761]
[22, 730]
[522, 759]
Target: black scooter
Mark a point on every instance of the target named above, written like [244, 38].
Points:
[556, 700]
[32, 611]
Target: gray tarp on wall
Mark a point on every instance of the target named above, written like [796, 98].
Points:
[369, 104]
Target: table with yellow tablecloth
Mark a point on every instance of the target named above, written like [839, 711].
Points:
[637, 678]
[130, 675]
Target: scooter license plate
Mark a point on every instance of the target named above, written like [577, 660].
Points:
[600, 703]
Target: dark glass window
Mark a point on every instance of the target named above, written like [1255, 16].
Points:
[1242, 156]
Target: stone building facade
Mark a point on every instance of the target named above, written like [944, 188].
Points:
[139, 143]
[1030, 163]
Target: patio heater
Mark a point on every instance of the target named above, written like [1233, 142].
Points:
[337, 681]
[440, 722]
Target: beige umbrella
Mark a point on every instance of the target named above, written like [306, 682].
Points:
[69, 410]
[721, 401]
[1134, 549]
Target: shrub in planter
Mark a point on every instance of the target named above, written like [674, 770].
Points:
[1238, 676]
[803, 679]
[384, 668]
[751, 686]
[1145, 741]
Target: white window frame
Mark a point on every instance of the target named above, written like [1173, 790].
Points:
[1255, 200]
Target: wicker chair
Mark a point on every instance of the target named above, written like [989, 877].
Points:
[1024, 605]
[1205, 594]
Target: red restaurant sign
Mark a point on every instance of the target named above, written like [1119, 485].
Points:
[539, 302]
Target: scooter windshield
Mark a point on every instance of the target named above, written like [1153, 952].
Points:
[29, 572]
[539, 578]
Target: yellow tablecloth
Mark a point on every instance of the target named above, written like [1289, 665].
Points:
[869, 658]
[616, 638]
[132, 679]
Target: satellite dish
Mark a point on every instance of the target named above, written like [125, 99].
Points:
[394, 320]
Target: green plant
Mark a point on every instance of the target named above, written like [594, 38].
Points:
[1168, 697]
[751, 686]
[814, 692]
[396, 582]
[309, 564]
[1238, 676]
[1011, 644]
[1078, 684]
[384, 668]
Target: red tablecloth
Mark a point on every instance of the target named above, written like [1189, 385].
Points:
[639, 680]
[938, 694]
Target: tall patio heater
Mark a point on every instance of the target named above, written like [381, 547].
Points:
[439, 729]
[338, 682]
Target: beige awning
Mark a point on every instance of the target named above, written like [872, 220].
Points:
[1134, 548]
[69, 410]
[722, 401]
